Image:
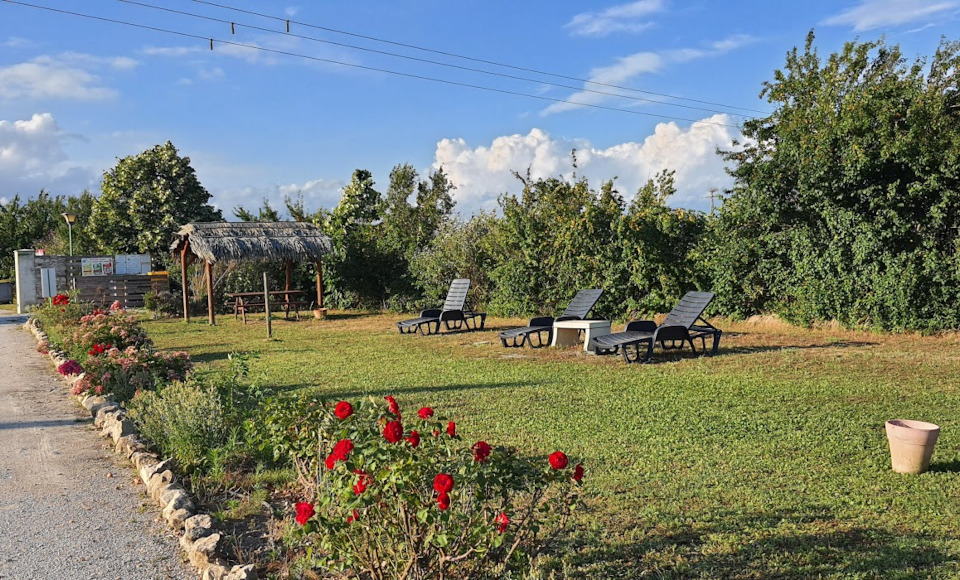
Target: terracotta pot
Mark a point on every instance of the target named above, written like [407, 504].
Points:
[319, 313]
[911, 444]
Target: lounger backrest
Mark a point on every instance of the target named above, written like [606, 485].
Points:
[581, 305]
[688, 310]
[457, 295]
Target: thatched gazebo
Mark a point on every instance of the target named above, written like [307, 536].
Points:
[213, 242]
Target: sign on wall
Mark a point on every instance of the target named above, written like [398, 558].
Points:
[133, 264]
[96, 266]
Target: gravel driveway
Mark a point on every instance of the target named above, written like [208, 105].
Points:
[69, 508]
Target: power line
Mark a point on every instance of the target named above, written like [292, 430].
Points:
[233, 24]
[353, 65]
[470, 58]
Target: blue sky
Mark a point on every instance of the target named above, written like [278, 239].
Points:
[272, 114]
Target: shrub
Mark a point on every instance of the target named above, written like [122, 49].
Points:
[417, 501]
[183, 421]
[127, 372]
[109, 329]
[66, 312]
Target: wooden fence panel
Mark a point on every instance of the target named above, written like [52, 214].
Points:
[129, 289]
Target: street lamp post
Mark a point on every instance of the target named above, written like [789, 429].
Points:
[70, 217]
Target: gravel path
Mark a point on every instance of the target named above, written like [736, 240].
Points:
[69, 508]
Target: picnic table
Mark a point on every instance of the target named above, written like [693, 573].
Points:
[286, 300]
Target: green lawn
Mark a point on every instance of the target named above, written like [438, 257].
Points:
[769, 460]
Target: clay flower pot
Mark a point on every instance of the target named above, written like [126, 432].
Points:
[911, 444]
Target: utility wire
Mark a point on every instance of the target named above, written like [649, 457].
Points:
[470, 58]
[352, 65]
[233, 24]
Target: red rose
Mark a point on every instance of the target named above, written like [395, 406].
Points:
[353, 517]
[343, 410]
[436, 432]
[362, 481]
[481, 451]
[331, 461]
[413, 439]
[502, 522]
[342, 449]
[452, 429]
[443, 483]
[393, 431]
[558, 460]
[305, 511]
[425, 412]
[578, 472]
[443, 501]
[394, 407]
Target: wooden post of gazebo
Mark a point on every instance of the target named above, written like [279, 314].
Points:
[319, 284]
[210, 314]
[185, 258]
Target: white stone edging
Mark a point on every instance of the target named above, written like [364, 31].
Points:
[197, 536]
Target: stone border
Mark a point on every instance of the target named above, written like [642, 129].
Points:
[197, 537]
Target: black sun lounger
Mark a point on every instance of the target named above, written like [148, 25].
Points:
[578, 309]
[452, 315]
[680, 327]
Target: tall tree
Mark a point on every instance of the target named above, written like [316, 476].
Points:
[846, 203]
[145, 199]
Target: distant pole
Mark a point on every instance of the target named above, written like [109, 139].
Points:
[712, 195]
[70, 218]
[266, 305]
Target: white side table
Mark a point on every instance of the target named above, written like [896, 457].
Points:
[567, 332]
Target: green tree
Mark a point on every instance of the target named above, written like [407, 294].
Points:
[145, 199]
[659, 247]
[846, 202]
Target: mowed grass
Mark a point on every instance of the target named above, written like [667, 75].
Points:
[769, 460]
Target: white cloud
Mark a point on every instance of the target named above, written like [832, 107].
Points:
[628, 68]
[32, 158]
[316, 193]
[871, 14]
[46, 78]
[17, 42]
[620, 18]
[482, 173]
[291, 11]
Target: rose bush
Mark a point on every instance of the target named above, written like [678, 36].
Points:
[123, 373]
[66, 312]
[392, 504]
[113, 328]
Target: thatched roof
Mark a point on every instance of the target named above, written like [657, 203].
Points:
[273, 241]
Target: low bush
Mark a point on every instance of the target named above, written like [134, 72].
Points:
[60, 311]
[107, 329]
[183, 421]
[124, 373]
[416, 501]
